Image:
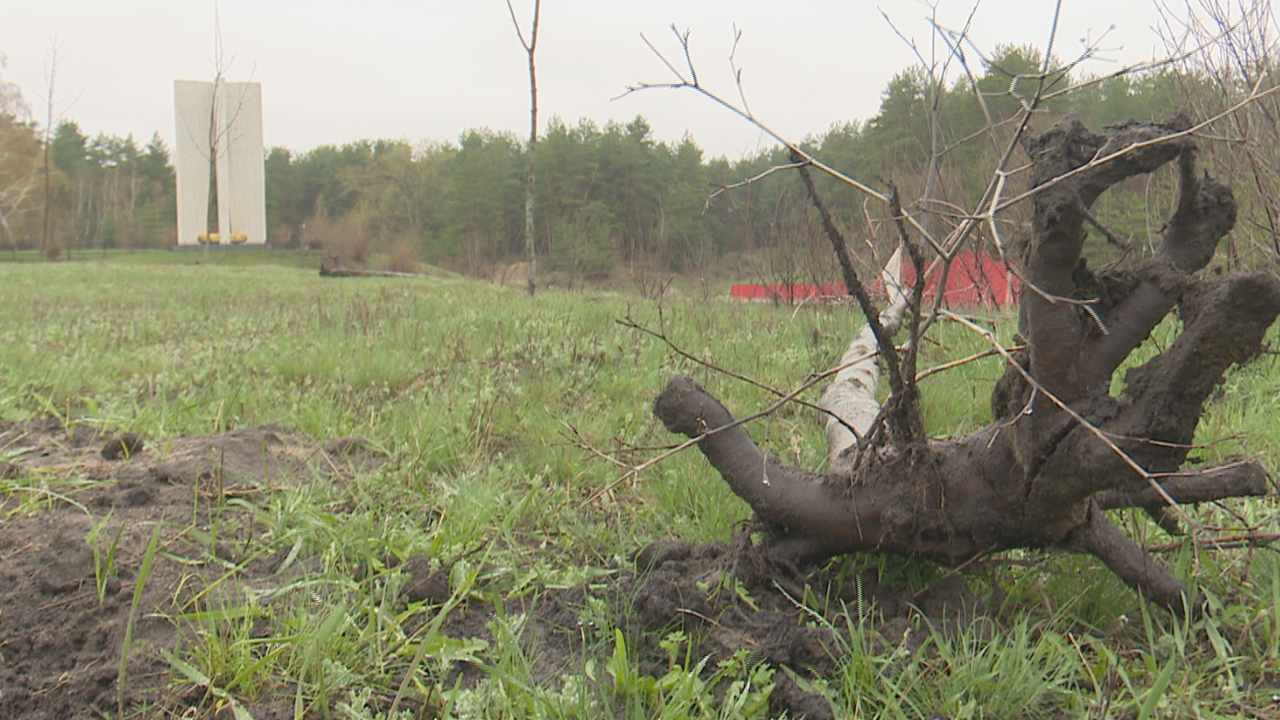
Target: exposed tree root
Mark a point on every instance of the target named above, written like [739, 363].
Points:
[1062, 450]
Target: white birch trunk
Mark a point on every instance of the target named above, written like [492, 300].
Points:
[851, 396]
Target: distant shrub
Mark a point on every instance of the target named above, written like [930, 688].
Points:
[404, 256]
[345, 241]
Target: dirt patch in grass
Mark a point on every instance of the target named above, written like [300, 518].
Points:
[83, 507]
[74, 536]
[725, 604]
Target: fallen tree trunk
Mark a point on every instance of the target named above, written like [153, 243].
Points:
[1062, 450]
[336, 266]
[346, 272]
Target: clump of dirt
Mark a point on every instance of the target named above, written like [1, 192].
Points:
[70, 559]
[725, 599]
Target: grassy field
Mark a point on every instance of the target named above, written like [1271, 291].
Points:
[480, 399]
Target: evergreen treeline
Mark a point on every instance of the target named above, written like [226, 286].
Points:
[108, 192]
[611, 197]
[103, 192]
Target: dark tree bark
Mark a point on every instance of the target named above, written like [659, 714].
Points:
[1042, 476]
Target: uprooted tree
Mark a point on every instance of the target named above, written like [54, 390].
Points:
[1062, 450]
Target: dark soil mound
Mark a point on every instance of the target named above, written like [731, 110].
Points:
[70, 559]
[726, 602]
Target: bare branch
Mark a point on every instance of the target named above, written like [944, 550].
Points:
[1190, 488]
[520, 33]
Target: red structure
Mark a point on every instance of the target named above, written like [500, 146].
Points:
[975, 280]
[785, 293]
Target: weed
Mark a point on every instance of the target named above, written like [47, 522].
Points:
[144, 571]
[104, 560]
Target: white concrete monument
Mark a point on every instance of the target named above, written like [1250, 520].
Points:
[220, 126]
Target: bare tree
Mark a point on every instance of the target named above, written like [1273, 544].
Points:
[47, 241]
[1062, 450]
[217, 142]
[530, 47]
[213, 139]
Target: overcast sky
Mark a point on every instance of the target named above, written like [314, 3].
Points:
[335, 72]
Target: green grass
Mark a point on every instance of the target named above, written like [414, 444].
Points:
[221, 256]
[471, 390]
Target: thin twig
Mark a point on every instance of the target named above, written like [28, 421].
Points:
[808, 383]
[704, 618]
[661, 335]
[965, 361]
[1223, 543]
[720, 189]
